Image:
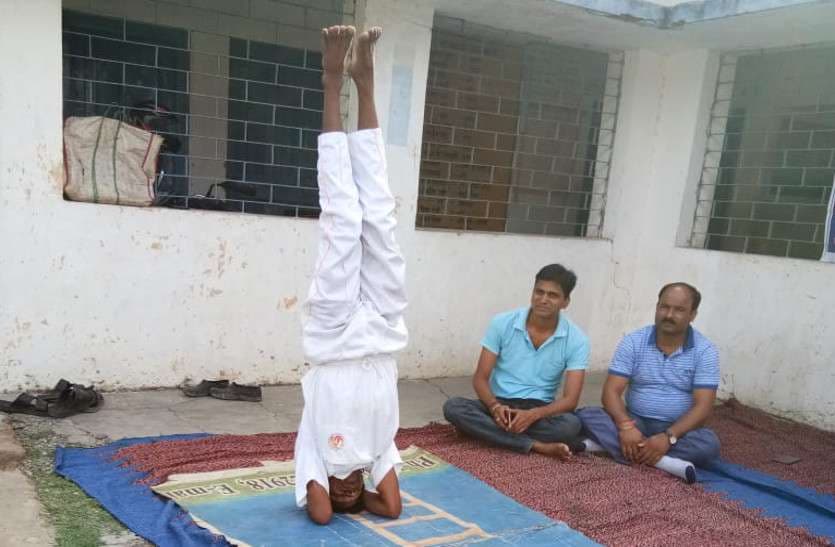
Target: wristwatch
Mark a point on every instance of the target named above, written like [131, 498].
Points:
[672, 438]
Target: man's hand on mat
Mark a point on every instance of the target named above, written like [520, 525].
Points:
[502, 416]
[651, 450]
[521, 420]
[630, 439]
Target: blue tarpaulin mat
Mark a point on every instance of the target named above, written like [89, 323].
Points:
[796, 505]
[115, 487]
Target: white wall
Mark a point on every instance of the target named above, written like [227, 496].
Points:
[771, 317]
[130, 297]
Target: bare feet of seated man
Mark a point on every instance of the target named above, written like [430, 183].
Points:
[516, 420]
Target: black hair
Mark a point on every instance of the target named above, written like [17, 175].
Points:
[695, 295]
[357, 507]
[560, 275]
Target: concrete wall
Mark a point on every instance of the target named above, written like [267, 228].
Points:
[132, 297]
[770, 317]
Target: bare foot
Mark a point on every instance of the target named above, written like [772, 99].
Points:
[361, 61]
[555, 450]
[336, 41]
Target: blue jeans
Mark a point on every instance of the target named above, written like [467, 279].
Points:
[699, 446]
[473, 418]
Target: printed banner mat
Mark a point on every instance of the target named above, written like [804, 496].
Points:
[442, 505]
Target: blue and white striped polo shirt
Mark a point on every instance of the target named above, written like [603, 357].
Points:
[660, 386]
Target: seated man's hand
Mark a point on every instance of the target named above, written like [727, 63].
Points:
[630, 441]
[502, 415]
[521, 420]
[651, 450]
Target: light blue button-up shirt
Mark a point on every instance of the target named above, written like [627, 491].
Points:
[525, 372]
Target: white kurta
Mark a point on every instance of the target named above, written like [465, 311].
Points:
[353, 319]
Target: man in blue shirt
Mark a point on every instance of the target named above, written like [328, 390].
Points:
[526, 356]
[670, 373]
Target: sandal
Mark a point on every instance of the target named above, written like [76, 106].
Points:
[54, 393]
[26, 404]
[95, 407]
[237, 392]
[72, 401]
[203, 389]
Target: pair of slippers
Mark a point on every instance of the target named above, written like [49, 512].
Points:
[65, 399]
[223, 389]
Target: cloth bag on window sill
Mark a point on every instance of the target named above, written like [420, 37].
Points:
[109, 161]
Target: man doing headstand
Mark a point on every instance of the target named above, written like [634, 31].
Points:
[354, 311]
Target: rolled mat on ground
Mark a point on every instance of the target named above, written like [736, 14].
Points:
[609, 503]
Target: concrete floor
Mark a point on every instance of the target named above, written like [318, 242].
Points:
[167, 411]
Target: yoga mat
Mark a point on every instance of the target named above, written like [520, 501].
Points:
[442, 505]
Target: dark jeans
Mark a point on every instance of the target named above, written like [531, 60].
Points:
[474, 419]
[699, 446]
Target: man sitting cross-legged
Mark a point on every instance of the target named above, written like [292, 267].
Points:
[354, 311]
[527, 355]
[670, 373]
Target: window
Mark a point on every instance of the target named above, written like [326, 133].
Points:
[769, 167]
[518, 133]
[236, 94]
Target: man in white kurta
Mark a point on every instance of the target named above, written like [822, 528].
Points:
[353, 319]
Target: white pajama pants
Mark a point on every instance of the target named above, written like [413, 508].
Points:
[353, 319]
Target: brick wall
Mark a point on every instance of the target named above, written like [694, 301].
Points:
[512, 132]
[769, 167]
[241, 79]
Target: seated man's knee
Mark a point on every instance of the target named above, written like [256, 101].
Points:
[454, 407]
[571, 424]
[591, 414]
[704, 447]
[712, 445]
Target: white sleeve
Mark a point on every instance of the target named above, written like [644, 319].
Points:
[382, 465]
[309, 463]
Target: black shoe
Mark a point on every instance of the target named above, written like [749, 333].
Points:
[53, 394]
[576, 447]
[26, 404]
[237, 392]
[202, 389]
[690, 474]
[74, 400]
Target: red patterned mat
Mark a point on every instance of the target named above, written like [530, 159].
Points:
[612, 504]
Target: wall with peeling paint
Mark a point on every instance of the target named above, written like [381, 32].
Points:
[129, 297]
[771, 317]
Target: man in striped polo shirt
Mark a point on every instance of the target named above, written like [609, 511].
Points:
[670, 373]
